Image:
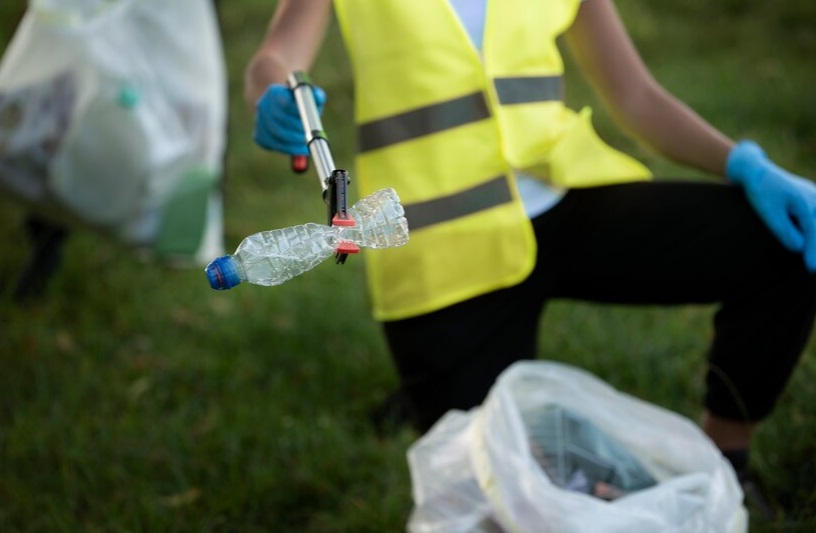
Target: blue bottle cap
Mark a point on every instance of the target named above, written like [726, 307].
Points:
[129, 97]
[222, 274]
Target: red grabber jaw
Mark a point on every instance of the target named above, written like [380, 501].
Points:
[337, 200]
[345, 247]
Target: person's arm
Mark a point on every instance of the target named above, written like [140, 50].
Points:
[291, 43]
[608, 59]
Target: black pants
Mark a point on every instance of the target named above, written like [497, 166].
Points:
[641, 243]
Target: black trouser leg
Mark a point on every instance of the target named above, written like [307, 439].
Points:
[667, 243]
[687, 242]
[449, 359]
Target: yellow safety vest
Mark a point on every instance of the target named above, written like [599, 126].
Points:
[445, 127]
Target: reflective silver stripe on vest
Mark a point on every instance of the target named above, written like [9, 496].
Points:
[529, 89]
[490, 194]
[423, 121]
[457, 112]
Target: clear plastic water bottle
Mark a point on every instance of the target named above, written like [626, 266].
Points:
[273, 257]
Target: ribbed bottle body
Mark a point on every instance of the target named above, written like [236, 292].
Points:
[275, 256]
[380, 221]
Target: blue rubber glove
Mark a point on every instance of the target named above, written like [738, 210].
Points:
[277, 121]
[784, 201]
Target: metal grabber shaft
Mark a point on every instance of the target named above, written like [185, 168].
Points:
[333, 181]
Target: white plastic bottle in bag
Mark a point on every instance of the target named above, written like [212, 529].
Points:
[273, 257]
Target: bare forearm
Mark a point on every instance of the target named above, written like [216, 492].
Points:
[640, 105]
[673, 129]
[292, 41]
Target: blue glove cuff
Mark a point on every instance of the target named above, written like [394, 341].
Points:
[746, 162]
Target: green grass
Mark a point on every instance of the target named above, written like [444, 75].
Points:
[135, 399]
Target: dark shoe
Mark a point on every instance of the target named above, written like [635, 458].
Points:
[47, 240]
[393, 414]
[756, 499]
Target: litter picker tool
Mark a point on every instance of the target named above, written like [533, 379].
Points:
[275, 256]
[334, 182]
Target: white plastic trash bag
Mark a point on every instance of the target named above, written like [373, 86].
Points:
[113, 115]
[447, 495]
[484, 471]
